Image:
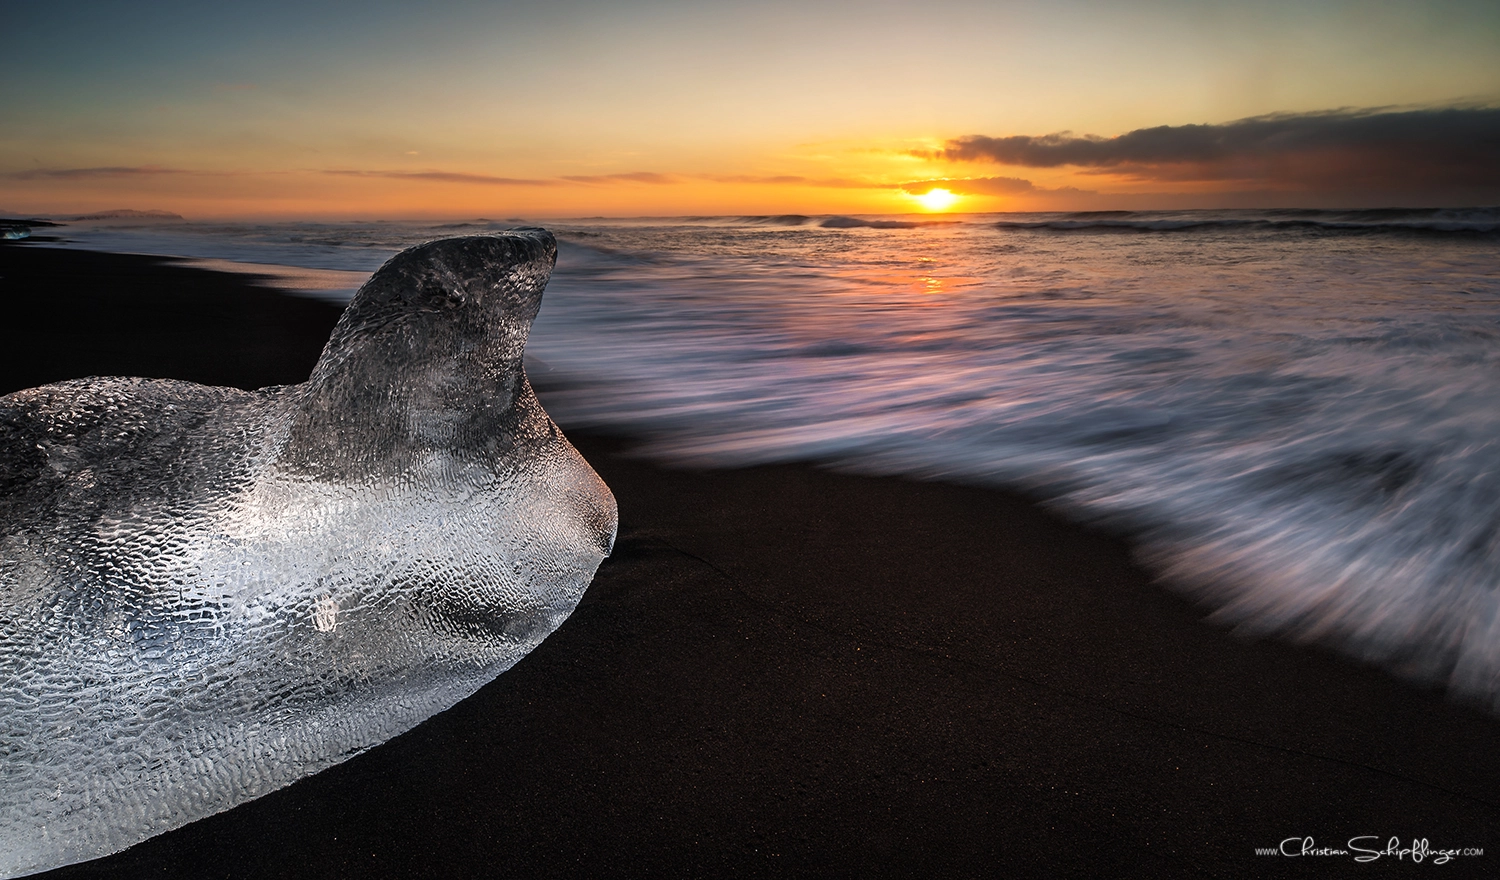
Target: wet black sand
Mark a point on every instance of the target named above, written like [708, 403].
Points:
[71, 313]
[788, 672]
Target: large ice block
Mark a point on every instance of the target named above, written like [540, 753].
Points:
[206, 593]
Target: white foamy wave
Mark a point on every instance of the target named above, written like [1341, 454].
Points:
[1302, 436]
[842, 222]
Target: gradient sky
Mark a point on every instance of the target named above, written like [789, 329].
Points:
[580, 107]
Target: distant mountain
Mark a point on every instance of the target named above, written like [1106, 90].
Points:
[130, 214]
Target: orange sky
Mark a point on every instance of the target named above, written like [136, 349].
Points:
[658, 108]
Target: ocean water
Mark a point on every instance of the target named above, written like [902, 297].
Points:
[1296, 413]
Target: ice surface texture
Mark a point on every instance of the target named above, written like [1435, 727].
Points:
[206, 593]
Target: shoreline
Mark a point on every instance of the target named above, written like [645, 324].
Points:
[785, 670]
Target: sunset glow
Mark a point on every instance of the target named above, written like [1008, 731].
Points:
[937, 200]
[653, 108]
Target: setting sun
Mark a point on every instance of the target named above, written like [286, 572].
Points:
[936, 200]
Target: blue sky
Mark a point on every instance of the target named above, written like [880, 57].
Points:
[308, 109]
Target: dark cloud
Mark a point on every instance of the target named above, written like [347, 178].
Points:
[87, 173]
[1451, 147]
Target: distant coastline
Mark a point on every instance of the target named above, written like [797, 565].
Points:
[129, 214]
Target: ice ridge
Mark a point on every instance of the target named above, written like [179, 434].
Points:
[207, 594]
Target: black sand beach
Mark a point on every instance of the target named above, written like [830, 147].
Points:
[784, 671]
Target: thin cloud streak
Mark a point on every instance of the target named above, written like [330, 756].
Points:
[988, 186]
[447, 177]
[90, 173]
[650, 177]
[1336, 149]
[794, 180]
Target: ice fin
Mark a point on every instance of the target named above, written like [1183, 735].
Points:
[207, 594]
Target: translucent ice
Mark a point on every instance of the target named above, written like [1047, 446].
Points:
[206, 594]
